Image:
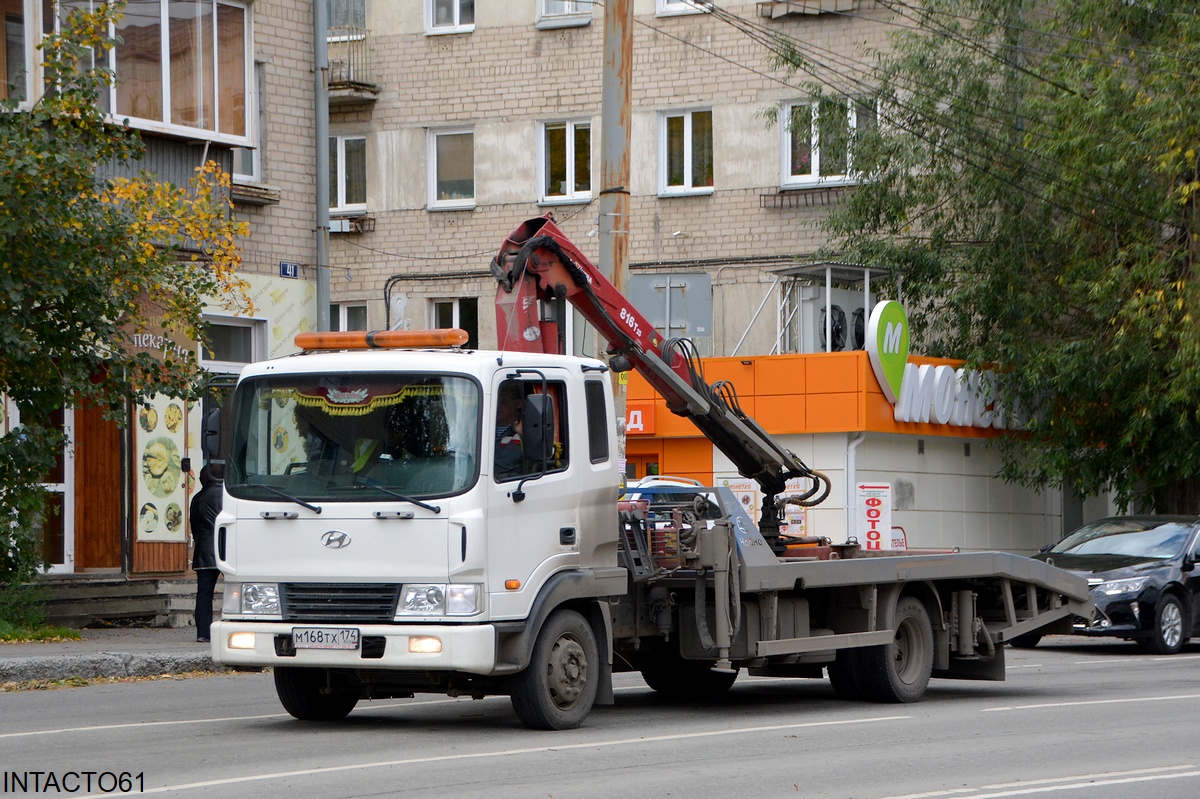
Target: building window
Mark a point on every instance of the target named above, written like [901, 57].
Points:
[12, 63]
[462, 313]
[566, 162]
[449, 16]
[233, 343]
[347, 317]
[204, 83]
[347, 174]
[686, 147]
[451, 169]
[347, 13]
[247, 161]
[818, 140]
[564, 13]
[665, 8]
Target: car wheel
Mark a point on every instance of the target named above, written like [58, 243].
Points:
[1167, 637]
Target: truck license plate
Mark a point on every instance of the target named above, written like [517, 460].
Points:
[325, 637]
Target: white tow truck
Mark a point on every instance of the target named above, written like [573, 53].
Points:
[381, 537]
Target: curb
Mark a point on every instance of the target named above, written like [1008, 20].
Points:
[104, 664]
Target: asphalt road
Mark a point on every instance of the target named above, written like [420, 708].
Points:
[1074, 719]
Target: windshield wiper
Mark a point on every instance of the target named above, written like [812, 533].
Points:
[397, 495]
[277, 492]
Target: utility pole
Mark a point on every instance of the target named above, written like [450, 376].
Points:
[615, 134]
[321, 112]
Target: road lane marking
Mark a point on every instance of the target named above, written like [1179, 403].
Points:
[1085, 781]
[1030, 785]
[1093, 702]
[360, 708]
[640, 741]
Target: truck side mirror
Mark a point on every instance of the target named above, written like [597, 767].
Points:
[210, 435]
[537, 435]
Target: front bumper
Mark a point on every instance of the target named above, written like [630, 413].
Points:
[1120, 619]
[467, 648]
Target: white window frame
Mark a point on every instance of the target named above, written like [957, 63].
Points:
[456, 312]
[687, 189]
[457, 26]
[674, 8]
[164, 126]
[789, 181]
[574, 195]
[258, 343]
[458, 203]
[339, 315]
[577, 13]
[337, 189]
[255, 150]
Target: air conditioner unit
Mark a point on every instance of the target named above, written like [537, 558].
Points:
[847, 311]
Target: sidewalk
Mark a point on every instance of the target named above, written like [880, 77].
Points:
[110, 652]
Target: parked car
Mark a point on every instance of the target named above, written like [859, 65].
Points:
[1142, 570]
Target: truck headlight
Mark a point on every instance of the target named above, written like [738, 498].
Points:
[439, 599]
[251, 598]
[1117, 587]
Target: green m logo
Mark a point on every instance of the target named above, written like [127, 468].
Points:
[887, 346]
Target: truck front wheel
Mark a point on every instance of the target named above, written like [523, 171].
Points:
[899, 671]
[314, 695]
[557, 690]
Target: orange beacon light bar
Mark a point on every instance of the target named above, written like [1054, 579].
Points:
[381, 339]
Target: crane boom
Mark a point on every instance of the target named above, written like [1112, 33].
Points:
[537, 266]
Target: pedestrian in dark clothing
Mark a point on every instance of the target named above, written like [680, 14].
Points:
[204, 509]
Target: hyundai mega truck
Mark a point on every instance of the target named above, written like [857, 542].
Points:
[404, 514]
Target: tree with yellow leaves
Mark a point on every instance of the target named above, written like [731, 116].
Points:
[83, 257]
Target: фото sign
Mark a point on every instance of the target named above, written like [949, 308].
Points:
[925, 392]
[873, 526]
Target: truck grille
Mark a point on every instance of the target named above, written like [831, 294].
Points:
[352, 602]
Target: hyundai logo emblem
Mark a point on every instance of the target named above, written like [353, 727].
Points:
[336, 539]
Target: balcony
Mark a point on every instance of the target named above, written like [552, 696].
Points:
[351, 73]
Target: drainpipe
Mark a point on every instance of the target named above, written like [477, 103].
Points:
[851, 479]
[321, 112]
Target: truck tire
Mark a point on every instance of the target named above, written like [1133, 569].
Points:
[845, 675]
[1167, 637]
[303, 694]
[558, 689]
[899, 671]
[688, 681]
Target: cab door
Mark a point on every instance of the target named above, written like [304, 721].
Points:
[532, 506]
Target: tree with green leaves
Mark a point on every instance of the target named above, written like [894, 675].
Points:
[1033, 183]
[86, 264]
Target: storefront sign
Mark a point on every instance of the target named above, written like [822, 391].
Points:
[925, 392]
[873, 526]
[639, 419]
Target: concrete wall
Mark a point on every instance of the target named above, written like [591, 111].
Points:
[944, 492]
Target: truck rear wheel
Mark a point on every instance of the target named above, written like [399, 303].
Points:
[845, 675]
[558, 689]
[899, 671]
[311, 695]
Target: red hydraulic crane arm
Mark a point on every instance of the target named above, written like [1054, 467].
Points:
[537, 264]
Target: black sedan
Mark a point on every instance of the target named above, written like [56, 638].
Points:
[1142, 570]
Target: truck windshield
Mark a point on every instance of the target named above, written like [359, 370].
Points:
[354, 437]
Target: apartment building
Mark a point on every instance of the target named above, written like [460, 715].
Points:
[204, 80]
[478, 115]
